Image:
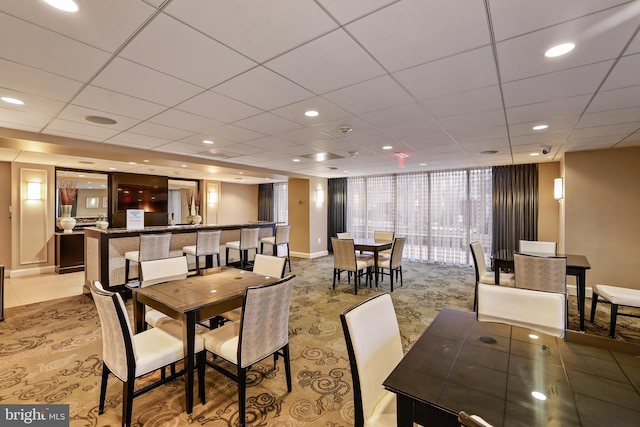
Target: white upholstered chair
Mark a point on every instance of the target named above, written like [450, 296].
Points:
[248, 241]
[483, 275]
[160, 271]
[538, 300]
[345, 235]
[207, 245]
[262, 331]
[129, 356]
[393, 264]
[384, 237]
[152, 246]
[281, 238]
[616, 296]
[374, 348]
[535, 247]
[344, 259]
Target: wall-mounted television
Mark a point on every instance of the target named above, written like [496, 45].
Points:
[150, 198]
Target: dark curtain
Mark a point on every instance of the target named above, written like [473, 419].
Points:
[336, 208]
[515, 205]
[265, 202]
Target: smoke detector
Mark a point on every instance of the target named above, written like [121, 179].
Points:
[345, 129]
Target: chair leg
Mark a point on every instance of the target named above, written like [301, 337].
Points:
[400, 271]
[391, 278]
[594, 302]
[127, 265]
[336, 272]
[614, 318]
[103, 388]
[127, 401]
[242, 395]
[201, 359]
[261, 247]
[197, 264]
[287, 366]
[289, 257]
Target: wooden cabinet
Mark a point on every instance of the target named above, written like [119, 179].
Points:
[69, 252]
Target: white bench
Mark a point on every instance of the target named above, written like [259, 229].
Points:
[616, 296]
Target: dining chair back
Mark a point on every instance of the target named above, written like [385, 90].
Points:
[207, 245]
[467, 420]
[345, 235]
[535, 247]
[280, 238]
[538, 301]
[374, 347]
[269, 265]
[130, 356]
[248, 241]
[383, 236]
[394, 264]
[160, 271]
[262, 331]
[483, 275]
[344, 259]
[151, 246]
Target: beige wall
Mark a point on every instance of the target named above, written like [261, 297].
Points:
[299, 210]
[5, 215]
[602, 213]
[548, 207]
[238, 203]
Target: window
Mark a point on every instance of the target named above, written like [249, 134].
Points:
[281, 202]
[440, 213]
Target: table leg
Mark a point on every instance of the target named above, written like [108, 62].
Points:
[138, 313]
[375, 265]
[404, 411]
[581, 290]
[189, 338]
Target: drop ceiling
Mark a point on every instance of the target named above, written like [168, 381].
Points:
[440, 82]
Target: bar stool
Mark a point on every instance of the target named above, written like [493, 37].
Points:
[248, 240]
[152, 246]
[207, 245]
[281, 238]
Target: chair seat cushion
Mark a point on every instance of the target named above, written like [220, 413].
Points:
[132, 256]
[618, 295]
[191, 250]
[489, 278]
[156, 348]
[223, 341]
[153, 317]
[233, 245]
[270, 240]
[384, 413]
[233, 315]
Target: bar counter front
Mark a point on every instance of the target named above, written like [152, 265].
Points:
[104, 249]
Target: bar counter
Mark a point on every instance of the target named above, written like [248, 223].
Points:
[104, 249]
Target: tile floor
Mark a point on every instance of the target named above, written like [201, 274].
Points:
[30, 289]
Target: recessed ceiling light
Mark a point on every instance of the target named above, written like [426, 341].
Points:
[559, 50]
[132, 163]
[295, 160]
[311, 113]
[423, 164]
[540, 127]
[534, 154]
[207, 141]
[100, 120]
[387, 147]
[320, 157]
[184, 166]
[538, 395]
[240, 173]
[489, 152]
[10, 100]
[146, 161]
[64, 5]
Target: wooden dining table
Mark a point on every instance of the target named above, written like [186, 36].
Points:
[192, 300]
[577, 265]
[512, 376]
[376, 248]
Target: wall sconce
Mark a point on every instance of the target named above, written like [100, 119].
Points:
[213, 197]
[34, 191]
[557, 189]
[319, 195]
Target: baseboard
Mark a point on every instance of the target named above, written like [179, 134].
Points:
[32, 271]
[309, 255]
[571, 289]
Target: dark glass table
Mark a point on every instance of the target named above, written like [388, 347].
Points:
[577, 265]
[492, 369]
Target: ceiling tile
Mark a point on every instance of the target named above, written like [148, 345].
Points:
[471, 101]
[398, 116]
[546, 110]
[218, 107]
[24, 79]
[103, 100]
[183, 120]
[372, 95]
[601, 118]
[267, 123]
[346, 11]
[615, 99]
[625, 74]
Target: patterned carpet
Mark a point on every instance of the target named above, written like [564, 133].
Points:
[50, 352]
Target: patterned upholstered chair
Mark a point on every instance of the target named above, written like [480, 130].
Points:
[152, 246]
[535, 247]
[483, 275]
[281, 238]
[393, 264]
[160, 271]
[248, 241]
[129, 356]
[344, 259]
[538, 301]
[207, 245]
[262, 331]
[375, 349]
